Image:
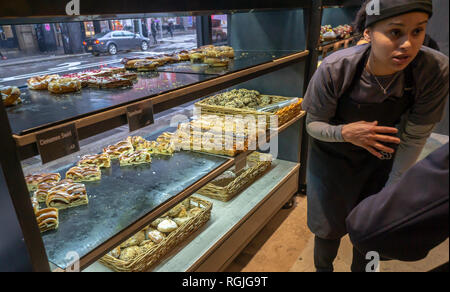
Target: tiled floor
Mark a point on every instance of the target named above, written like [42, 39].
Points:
[286, 244]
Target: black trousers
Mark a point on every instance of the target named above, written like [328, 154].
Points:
[325, 251]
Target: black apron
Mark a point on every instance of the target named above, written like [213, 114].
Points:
[340, 175]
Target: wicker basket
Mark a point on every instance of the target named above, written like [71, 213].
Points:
[227, 188]
[144, 261]
[284, 114]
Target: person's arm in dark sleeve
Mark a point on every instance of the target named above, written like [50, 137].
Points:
[406, 219]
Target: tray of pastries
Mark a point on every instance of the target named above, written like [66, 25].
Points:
[10, 95]
[147, 247]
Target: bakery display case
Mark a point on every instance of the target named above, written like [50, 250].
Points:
[106, 174]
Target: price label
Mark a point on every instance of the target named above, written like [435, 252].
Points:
[57, 143]
[140, 115]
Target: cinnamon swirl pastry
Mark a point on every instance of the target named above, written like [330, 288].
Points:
[99, 160]
[34, 180]
[138, 157]
[47, 219]
[67, 195]
[84, 173]
[114, 151]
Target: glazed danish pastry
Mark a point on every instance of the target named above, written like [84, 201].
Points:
[138, 142]
[146, 65]
[64, 85]
[41, 82]
[163, 148]
[67, 195]
[138, 157]
[114, 151]
[84, 173]
[34, 180]
[99, 160]
[47, 219]
[43, 188]
[10, 95]
[109, 82]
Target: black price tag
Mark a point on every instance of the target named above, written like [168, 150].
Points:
[57, 143]
[140, 115]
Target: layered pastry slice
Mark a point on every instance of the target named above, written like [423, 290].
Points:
[64, 85]
[163, 148]
[84, 173]
[114, 151]
[146, 65]
[139, 143]
[99, 160]
[126, 75]
[138, 157]
[42, 189]
[47, 219]
[34, 180]
[35, 204]
[67, 195]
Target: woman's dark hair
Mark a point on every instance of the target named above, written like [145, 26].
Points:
[360, 21]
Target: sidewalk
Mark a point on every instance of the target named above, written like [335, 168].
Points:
[36, 58]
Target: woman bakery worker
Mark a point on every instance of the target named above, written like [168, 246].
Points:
[355, 102]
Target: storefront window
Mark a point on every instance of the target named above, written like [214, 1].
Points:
[219, 28]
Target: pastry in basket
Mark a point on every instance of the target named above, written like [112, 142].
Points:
[161, 148]
[34, 180]
[167, 226]
[10, 95]
[64, 85]
[134, 240]
[34, 203]
[138, 142]
[146, 65]
[47, 219]
[194, 211]
[40, 82]
[67, 195]
[84, 173]
[181, 220]
[146, 246]
[157, 221]
[114, 151]
[129, 253]
[155, 235]
[100, 160]
[115, 252]
[137, 157]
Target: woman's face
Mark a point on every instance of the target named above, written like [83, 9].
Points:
[396, 41]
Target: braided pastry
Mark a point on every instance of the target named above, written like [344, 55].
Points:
[10, 95]
[100, 160]
[34, 180]
[47, 219]
[64, 85]
[67, 195]
[84, 173]
[41, 82]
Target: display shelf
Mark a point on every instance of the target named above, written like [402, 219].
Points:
[328, 47]
[44, 11]
[114, 116]
[242, 60]
[232, 224]
[41, 109]
[91, 230]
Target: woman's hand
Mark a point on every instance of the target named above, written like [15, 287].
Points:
[369, 135]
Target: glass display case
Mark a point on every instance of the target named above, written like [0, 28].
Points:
[275, 51]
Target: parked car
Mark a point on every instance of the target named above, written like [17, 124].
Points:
[113, 41]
